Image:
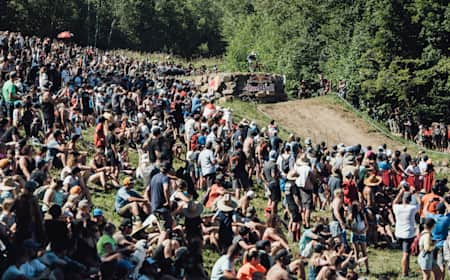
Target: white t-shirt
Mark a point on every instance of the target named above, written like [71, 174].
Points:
[222, 264]
[405, 220]
[303, 172]
[189, 127]
[423, 166]
[211, 138]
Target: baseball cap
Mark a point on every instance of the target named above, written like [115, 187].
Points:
[97, 212]
[251, 194]
[75, 190]
[440, 208]
[127, 181]
[83, 203]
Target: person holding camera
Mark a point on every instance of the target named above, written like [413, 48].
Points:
[440, 231]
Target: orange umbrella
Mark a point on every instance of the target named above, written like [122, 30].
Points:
[65, 35]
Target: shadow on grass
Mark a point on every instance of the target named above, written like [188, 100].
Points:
[385, 275]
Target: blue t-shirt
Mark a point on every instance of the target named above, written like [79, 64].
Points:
[122, 197]
[440, 230]
[157, 191]
[196, 105]
[382, 165]
[201, 140]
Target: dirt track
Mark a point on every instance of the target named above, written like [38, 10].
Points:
[323, 121]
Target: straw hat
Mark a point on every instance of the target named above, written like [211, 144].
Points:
[302, 161]
[4, 187]
[372, 181]
[3, 163]
[226, 203]
[108, 116]
[148, 225]
[193, 209]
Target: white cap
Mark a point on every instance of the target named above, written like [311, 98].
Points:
[251, 194]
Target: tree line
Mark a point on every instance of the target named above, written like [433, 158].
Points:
[187, 28]
[392, 53]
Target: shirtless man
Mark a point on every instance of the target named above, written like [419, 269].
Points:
[249, 151]
[279, 270]
[368, 196]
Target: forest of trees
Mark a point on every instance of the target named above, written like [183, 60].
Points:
[391, 52]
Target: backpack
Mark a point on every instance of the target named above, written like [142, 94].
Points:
[285, 164]
[431, 205]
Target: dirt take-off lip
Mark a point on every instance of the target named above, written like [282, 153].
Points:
[323, 121]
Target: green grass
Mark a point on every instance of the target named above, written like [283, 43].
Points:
[251, 112]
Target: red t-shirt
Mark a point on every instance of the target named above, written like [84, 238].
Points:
[99, 136]
[246, 271]
[215, 192]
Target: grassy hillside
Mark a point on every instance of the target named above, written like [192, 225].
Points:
[384, 263]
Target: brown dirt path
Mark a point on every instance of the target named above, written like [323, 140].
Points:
[323, 121]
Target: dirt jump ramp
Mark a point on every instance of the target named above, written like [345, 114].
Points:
[323, 121]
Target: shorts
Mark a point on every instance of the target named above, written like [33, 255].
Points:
[9, 110]
[87, 111]
[438, 255]
[426, 260]
[293, 209]
[335, 229]
[210, 179]
[308, 250]
[125, 211]
[275, 192]
[165, 218]
[406, 244]
[250, 159]
[358, 238]
[241, 182]
[306, 198]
